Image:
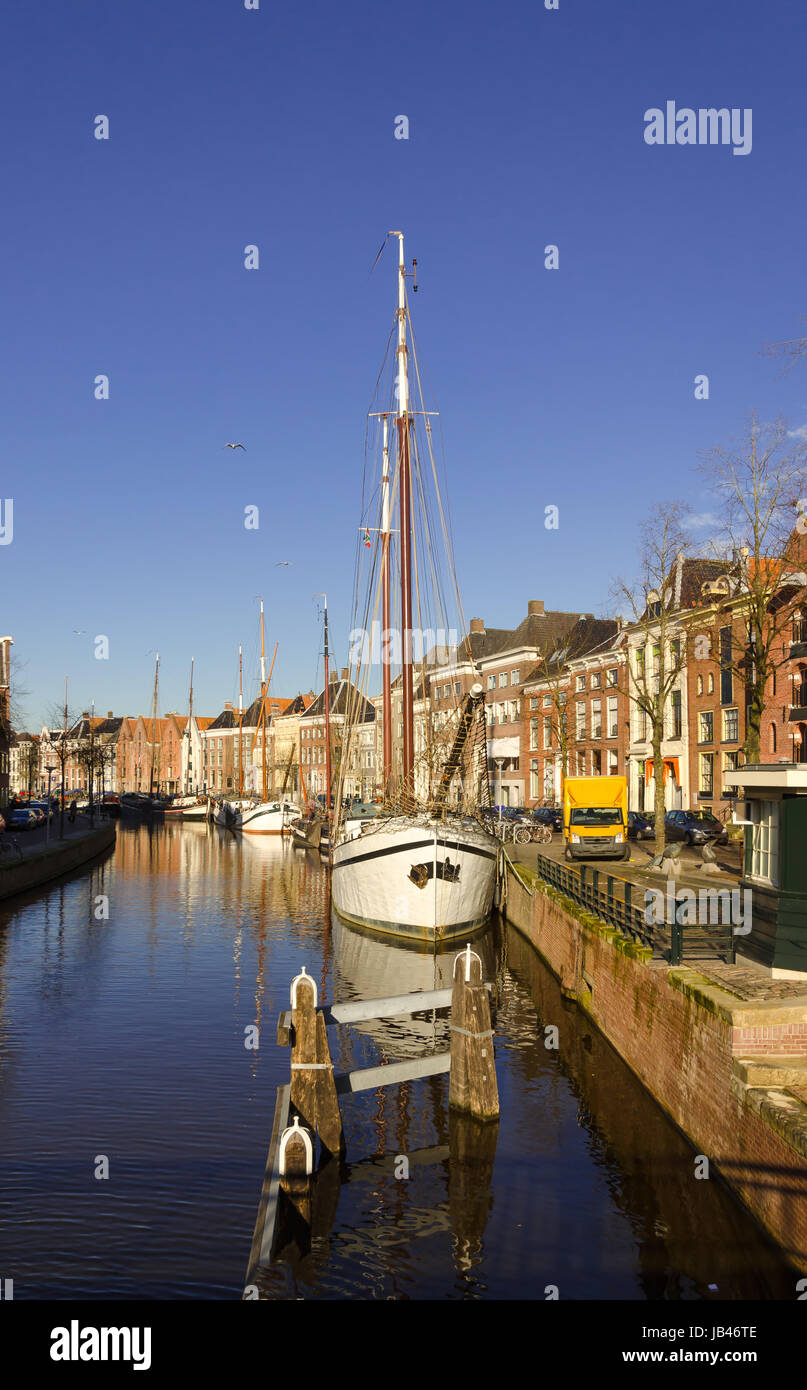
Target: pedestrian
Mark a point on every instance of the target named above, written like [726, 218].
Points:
[71, 814]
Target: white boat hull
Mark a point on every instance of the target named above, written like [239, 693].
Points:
[416, 877]
[256, 818]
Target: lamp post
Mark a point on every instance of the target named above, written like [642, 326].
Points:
[50, 771]
[500, 764]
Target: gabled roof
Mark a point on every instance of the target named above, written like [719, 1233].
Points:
[538, 630]
[344, 697]
[588, 636]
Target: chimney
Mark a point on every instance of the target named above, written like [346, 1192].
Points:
[333, 677]
[85, 714]
[535, 607]
[477, 625]
[109, 714]
[343, 674]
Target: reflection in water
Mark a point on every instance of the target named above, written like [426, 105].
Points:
[126, 1037]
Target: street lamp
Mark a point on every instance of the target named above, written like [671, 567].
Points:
[50, 771]
[500, 764]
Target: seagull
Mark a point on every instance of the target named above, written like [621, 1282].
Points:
[79, 632]
[235, 446]
[282, 562]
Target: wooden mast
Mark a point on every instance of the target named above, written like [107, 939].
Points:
[386, 619]
[402, 423]
[263, 705]
[190, 722]
[327, 716]
[240, 725]
[154, 724]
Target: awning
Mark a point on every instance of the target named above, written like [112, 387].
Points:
[670, 766]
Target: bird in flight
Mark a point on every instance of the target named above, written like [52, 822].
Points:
[282, 562]
[79, 632]
[235, 446]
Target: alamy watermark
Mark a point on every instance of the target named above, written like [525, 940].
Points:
[376, 646]
[706, 907]
[706, 126]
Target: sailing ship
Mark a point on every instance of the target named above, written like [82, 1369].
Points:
[424, 867]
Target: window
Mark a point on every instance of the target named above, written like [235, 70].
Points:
[700, 685]
[534, 782]
[515, 676]
[491, 682]
[458, 687]
[580, 683]
[613, 718]
[547, 733]
[613, 762]
[707, 763]
[676, 714]
[611, 676]
[706, 722]
[731, 725]
[596, 680]
[764, 816]
[596, 718]
[533, 702]
[711, 685]
[731, 762]
[581, 763]
[596, 763]
[502, 678]
[772, 738]
[726, 680]
[580, 720]
[547, 700]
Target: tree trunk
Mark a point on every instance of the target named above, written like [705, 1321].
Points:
[658, 773]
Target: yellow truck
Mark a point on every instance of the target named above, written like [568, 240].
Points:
[595, 817]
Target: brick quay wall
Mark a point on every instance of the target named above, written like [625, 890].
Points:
[695, 1046]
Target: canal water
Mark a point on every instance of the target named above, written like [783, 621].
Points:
[122, 1051]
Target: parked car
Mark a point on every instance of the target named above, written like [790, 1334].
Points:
[2, 823]
[47, 811]
[694, 827]
[549, 815]
[23, 818]
[640, 826]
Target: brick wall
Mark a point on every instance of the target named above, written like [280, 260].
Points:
[681, 1036]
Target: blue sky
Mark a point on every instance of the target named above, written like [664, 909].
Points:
[275, 127]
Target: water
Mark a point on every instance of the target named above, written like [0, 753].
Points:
[123, 1040]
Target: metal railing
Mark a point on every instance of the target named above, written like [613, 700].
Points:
[622, 904]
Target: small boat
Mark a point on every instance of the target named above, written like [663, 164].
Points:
[138, 804]
[187, 808]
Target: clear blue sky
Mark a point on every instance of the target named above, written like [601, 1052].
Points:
[275, 127]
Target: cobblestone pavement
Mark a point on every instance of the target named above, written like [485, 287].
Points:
[748, 983]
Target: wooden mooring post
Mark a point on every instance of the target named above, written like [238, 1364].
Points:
[313, 1090]
[472, 1078]
[314, 1097]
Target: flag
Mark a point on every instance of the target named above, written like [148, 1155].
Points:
[367, 538]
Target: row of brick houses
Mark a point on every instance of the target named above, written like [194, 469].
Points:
[560, 698]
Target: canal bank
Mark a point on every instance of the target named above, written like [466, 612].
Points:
[26, 865]
[722, 1049]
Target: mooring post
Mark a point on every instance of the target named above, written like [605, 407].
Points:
[313, 1091]
[296, 1165]
[472, 1084]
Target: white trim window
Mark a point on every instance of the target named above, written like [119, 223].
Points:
[764, 816]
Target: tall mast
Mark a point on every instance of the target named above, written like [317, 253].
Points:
[154, 723]
[324, 597]
[385, 604]
[240, 725]
[190, 744]
[402, 423]
[263, 704]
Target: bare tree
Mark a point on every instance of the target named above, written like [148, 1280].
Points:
[761, 481]
[660, 655]
[791, 351]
